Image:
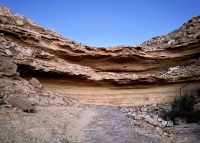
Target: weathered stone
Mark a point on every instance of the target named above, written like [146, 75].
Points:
[35, 83]
[170, 123]
[159, 119]
[152, 121]
[144, 113]
[154, 105]
[164, 123]
[138, 118]
[171, 42]
[21, 104]
[25, 51]
[8, 52]
[126, 110]
[3, 19]
[134, 114]
[137, 122]
[147, 116]
[144, 109]
[7, 67]
[19, 22]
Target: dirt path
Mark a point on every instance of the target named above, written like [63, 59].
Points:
[81, 124]
[48, 124]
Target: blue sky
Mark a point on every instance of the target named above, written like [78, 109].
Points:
[107, 22]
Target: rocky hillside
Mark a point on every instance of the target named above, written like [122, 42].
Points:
[66, 66]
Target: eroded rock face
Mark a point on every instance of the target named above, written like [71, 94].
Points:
[7, 68]
[20, 93]
[44, 54]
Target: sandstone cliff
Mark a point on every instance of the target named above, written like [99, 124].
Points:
[66, 66]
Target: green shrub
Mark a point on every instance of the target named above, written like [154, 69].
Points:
[184, 108]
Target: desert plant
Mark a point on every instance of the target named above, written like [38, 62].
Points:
[184, 108]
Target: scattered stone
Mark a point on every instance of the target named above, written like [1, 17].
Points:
[35, 83]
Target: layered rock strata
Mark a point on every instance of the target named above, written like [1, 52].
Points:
[75, 67]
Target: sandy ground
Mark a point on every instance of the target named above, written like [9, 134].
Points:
[122, 97]
[48, 124]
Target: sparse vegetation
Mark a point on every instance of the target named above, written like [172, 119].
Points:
[184, 108]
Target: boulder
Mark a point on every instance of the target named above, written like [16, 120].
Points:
[21, 104]
[35, 83]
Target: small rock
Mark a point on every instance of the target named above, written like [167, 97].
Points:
[134, 114]
[154, 105]
[137, 122]
[171, 42]
[132, 110]
[12, 44]
[19, 22]
[147, 116]
[152, 121]
[165, 134]
[144, 113]
[170, 124]
[8, 106]
[138, 118]
[159, 119]
[156, 108]
[144, 109]
[155, 117]
[164, 123]
[8, 52]
[150, 109]
[35, 83]
[126, 110]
